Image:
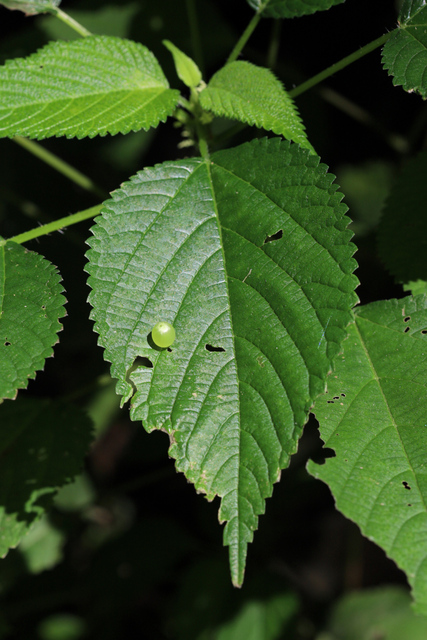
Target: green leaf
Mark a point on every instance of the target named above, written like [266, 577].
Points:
[42, 445]
[248, 256]
[405, 53]
[242, 91]
[31, 7]
[376, 613]
[402, 233]
[259, 619]
[87, 87]
[30, 306]
[186, 68]
[374, 418]
[42, 546]
[291, 8]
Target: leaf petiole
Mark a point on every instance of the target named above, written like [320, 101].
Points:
[345, 62]
[73, 24]
[56, 225]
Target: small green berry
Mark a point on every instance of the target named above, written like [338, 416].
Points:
[163, 334]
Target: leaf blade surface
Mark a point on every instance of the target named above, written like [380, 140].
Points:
[31, 303]
[259, 290]
[374, 418]
[405, 53]
[86, 87]
[251, 94]
[291, 8]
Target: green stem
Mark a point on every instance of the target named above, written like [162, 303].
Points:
[60, 165]
[326, 73]
[81, 30]
[273, 49]
[195, 34]
[56, 225]
[245, 37]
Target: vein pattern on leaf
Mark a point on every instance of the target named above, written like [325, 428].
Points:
[30, 307]
[374, 417]
[405, 53]
[252, 94]
[248, 257]
[93, 86]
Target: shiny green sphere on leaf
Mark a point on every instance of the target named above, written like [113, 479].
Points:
[163, 334]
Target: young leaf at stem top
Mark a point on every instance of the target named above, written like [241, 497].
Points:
[186, 69]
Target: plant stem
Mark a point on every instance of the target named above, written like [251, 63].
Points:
[273, 49]
[326, 73]
[81, 30]
[60, 165]
[245, 37]
[195, 34]
[56, 225]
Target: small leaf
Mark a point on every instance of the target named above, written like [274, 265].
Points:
[253, 95]
[405, 53]
[186, 68]
[291, 8]
[87, 87]
[402, 233]
[30, 307]
[248, 256]
[374, 417]
[42, 446]
[31, 7]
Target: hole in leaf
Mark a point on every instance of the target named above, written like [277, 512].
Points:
[7, 343]
[424, 331]
[336, 397]
[143, 362]
[275, 236]
[330, 402]
[343, 395]
[323, 455]
[209, 347]
[407, 329]
[406, 319]
[406, 485]
[409, 504]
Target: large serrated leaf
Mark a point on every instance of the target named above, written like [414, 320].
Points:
[291, 8]
[42, 446]
[253, 95]
[375, 419]
[402, 233]
[87, 87]
[30, 307]
[248, 256]
[405, 53]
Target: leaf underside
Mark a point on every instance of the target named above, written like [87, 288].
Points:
[374, 418]
[292, 8]
[87, 87]
[248, 256]
[253, 95]
[30, 307]
[405, 53]
[30, 7]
